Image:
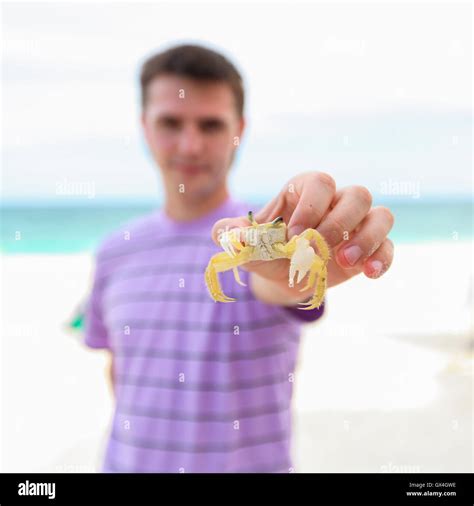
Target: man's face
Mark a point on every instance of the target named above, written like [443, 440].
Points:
[192, 129]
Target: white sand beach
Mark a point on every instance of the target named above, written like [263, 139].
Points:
[384, 382]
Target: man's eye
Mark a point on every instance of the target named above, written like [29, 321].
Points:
[168, 123]
[211, 126]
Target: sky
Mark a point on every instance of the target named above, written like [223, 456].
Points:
[378, 94]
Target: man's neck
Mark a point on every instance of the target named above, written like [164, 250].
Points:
[177, 208]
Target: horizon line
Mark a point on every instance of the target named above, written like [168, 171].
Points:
[85, 202]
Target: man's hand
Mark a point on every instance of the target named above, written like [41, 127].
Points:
[355, 231]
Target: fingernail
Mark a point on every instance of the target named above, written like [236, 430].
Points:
[376, 267]
[352, 254]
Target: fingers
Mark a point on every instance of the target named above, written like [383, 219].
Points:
[366, 241]
[351, 206]
[380, 261]
[316, 197]
[302, 203]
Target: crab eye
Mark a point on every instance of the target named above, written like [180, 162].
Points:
[252, 219]
[277, 220]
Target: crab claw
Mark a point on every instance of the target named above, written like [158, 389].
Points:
[301, 260]
[226, 241]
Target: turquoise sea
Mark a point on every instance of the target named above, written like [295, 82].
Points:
[72, 229]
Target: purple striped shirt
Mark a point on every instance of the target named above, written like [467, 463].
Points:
[200, 386]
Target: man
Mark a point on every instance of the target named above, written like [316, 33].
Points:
[203, 386]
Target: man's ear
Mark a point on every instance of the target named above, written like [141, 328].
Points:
[143, 124]
[242, 124]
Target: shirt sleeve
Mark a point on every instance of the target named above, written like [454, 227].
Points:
[95, 331]
[306, 316]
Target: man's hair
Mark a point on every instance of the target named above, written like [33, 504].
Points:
[194, 62]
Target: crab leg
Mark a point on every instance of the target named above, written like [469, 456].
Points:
[323, 249]
[230, 244]
[237, 277]
[304, 260]
[317, 266]
[223, 262]
[318, 269]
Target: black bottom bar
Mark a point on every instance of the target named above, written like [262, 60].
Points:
[238, 489]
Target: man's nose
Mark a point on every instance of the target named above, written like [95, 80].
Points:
[190, 141]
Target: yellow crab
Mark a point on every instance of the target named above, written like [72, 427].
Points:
[267, 241]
